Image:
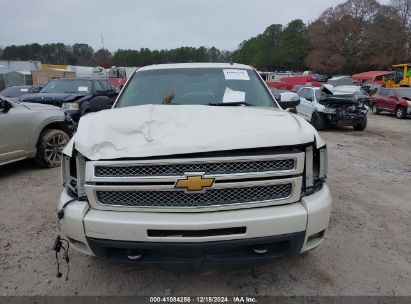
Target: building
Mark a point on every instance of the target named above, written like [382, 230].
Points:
[9, 77]
[21, 66]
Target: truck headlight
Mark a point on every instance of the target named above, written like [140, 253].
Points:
[73, 174]
[323, 166]
[316, 169]
[70, 106]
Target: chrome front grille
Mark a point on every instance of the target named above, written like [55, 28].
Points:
[212, 197]
[237, 182]
[207, 168]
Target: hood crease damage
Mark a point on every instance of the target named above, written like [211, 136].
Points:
[165, 130]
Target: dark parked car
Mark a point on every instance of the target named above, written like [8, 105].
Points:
[14, 92]
[396, 100]
[73, 94]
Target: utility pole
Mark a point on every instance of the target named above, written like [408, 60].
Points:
[104, 54]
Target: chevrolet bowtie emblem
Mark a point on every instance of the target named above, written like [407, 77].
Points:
[194, 183]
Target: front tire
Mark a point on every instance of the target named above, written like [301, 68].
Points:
[361, 126]
[375, 110]
[319, 121]
[400, 112]
[50, 146]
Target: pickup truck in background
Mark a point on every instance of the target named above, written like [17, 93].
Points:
[73, 94]
[195, 165]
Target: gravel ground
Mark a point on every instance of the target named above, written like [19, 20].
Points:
[367, 250]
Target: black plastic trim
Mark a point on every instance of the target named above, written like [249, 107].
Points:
[201, 256]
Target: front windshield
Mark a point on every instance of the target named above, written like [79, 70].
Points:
[195, 86]
[405, 93]
[398, 74]
[76, 86]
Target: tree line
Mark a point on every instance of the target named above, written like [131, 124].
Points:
[58, 53]
[145, 56]
[354, 36]
[83, 54]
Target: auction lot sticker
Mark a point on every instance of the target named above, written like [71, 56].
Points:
[234, 74]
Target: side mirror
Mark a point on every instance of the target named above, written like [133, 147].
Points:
[100, 103]
[117, 90]
[5, 106]
[289, 100]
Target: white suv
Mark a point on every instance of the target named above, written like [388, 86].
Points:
[197, 165]
[336, 109]
[29, 130]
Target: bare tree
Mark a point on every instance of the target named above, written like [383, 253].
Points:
[404, 10]
[357, 35]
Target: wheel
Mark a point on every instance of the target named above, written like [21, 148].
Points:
[400, 112]
[50, 146]
[361, 126]
[319, 121]
[375, 110]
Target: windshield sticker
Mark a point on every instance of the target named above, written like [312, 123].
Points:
[233, 74]
[233, 96]
[24, 90]
[82, 89]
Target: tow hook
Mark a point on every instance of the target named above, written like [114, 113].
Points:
[260, 249]
[133, 254]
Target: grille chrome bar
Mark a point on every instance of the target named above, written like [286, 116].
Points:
[219, 167]
[207, 168]
[224, 196]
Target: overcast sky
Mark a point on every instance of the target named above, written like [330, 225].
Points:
[155, 24]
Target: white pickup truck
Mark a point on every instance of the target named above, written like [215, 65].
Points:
[197, 165]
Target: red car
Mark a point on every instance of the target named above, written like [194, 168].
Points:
[395, 100]
[288, 82]
[305, 80]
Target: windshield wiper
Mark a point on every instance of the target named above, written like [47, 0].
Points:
[230, 104]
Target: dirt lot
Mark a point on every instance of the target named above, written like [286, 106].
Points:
[367, 250]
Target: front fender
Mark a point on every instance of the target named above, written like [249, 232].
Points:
[319, 108]
[46, 118]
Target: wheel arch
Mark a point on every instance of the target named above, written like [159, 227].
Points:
[55, 124]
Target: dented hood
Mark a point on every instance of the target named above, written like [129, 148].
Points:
[52, 98]
[161, 130]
